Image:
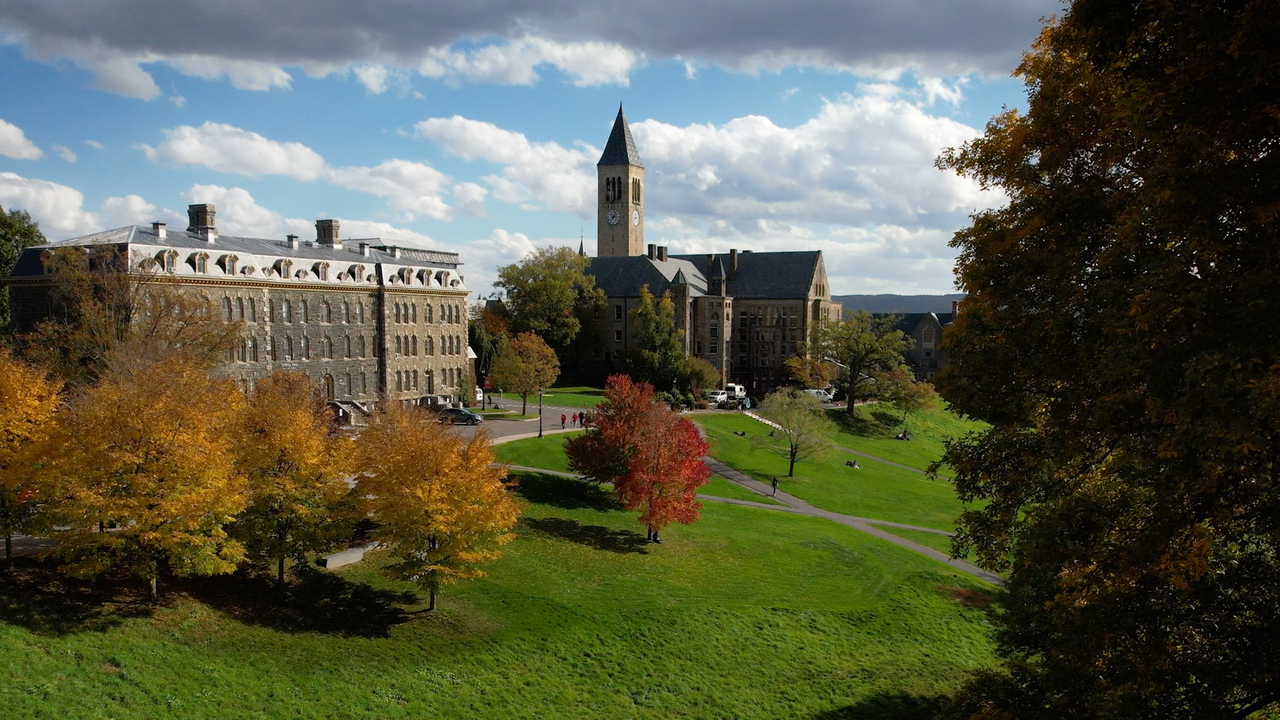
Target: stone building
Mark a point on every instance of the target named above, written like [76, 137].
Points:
[744, 312]
[925, 356]
[368, 320]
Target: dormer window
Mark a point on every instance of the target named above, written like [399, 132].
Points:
[322, 271]
[202, 263]
[230, 264]
[285, 268]
[170, 260]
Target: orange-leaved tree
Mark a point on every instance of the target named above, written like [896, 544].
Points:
[150, 452]
[440, 503]
[294, 464]
[525, 364]
[651, 455]
[28, 401]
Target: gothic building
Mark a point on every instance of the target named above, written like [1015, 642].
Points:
[744, 312]
[366, 319]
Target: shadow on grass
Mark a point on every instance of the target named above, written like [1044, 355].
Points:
[563, 492]
[873, 423]
[35, 596]
[315, 601]
[888, 706]
[593, 536]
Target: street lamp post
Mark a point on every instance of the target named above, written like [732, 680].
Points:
[539, 412]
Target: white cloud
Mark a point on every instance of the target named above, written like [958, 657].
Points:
[57, 208]
[409, 186]
[469, 198]
[134, 210]
[94, 144]
[65, 153]
[230, 149]
[373, 77]
[244, 74]
[559, 178]
[515, 62]
[14, 143]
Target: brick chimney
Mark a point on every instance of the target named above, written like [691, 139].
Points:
[200, 221]
[653, 251]
[327, 234]
[662, 253]
[291, 241]
[733, 263]
[159, 229]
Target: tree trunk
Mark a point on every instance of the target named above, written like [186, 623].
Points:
[154, 593]
[524, 405]
[791, 471]
[8, 551]
[431, 604]
[280, 569]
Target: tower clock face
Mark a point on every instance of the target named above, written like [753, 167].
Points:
[613, 218]
[635, 217]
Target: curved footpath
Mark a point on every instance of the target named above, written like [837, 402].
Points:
[795, 505]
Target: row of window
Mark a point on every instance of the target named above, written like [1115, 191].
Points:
[408, 345]
[615, 188]
[286, 349]
[408, 313]
[407, 380]
[246, 310]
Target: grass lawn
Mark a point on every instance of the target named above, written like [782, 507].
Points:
[720, 487]
[546, 452]
[872, 429]
[878, 491]
[745, 614]
[578, 396]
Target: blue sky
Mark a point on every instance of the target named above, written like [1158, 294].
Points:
[476, 127]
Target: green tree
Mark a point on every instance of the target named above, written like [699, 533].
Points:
[525, 365]
[658, 358]
[1116, 337]
[803, 424]
[900, 389]
[17, 232]
[861, 345]
[699, 376]
[549, 293]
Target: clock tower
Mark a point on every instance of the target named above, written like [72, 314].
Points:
[620, 195]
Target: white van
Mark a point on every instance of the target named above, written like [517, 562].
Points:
[736, 392]
[822, 395]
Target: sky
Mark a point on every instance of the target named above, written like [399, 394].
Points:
[475, 126]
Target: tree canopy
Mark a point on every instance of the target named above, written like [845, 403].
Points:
[17, 232]
[549, 294]
[803, 425]
[861, 345]
[525, 364]
[28, 401]
[1117, 338]
[658, 358]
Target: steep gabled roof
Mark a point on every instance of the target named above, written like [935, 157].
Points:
[621, 149]
[623, 277]
[764, 275]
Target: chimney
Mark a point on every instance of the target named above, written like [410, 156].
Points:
[662, 253]
[159, 229]
[955, 308]
[200, 221]
[327, 234]
[364, 249]
[733, 263]
[395, 251]
[291, 241]
[653, 251]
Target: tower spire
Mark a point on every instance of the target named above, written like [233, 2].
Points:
[621, 149]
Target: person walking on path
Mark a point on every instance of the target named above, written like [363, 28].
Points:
[562, 420]
[574, 420]
[775, 486]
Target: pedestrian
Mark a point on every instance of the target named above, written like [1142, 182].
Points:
[574, 420]
[775, 486]
[562, 421]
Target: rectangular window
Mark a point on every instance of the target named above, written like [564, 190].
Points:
[697, 347]
[715, 332]
[617, 312]
[617, 336]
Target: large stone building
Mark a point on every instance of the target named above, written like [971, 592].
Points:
[744, 312]
[368, 320]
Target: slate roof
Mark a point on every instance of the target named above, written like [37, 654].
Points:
[908, 322]
[621, 149]
[761, 276]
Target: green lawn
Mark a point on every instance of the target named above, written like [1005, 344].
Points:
[746, 614]
[720, 487]
[878, 491]
[546, 452]
[873, 428]
[577, 396]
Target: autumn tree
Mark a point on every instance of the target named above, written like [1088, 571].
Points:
[484, 334]
[899, 388]
[150, 450]
[802, 423]
[549, 293]
[28, 400]
[440, 503]
[100, 301]
[651, 455]
[295, 466]
[17, 232]
[807, 370]
[1117, 338]
[525, 365]
[861, 345]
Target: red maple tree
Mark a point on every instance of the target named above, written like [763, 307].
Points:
[651, 455]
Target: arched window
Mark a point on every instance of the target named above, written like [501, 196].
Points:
[414, 311]
[202, 263]
[306, 312]
[328, 347]
[362, 346]
[399, 381]
[348, 346]
[351, 389]
[415, 379]
[322, 271]
[239, 308]
[426, 313]
[360, 313]
[288, 348]
[253, 350]
[397, 312]
[253, 311]
[231, 263]
[306, 348]
[226, 309]
[415, 345]
[286, 310]
[271, 348]
[346, 312]
[244, 351]
[399, 346]
[364, 383]
[444, 349]
[171, 261]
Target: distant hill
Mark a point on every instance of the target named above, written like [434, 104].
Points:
[898, 303]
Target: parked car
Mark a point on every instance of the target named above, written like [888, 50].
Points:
[717, 397]
[822, 395]
[459, 416]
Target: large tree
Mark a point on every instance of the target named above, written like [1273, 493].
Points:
[651, 455]
[17, 232]
[28, 400]
[803, 425]
[1117, 337]
[658, 358]
[525, 365]
[439, 502]
[296, 467]
[151, 450]
[861, 346]
[549, 293]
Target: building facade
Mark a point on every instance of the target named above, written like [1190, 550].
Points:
[744, 312]
[367, 320]
[925, 356]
